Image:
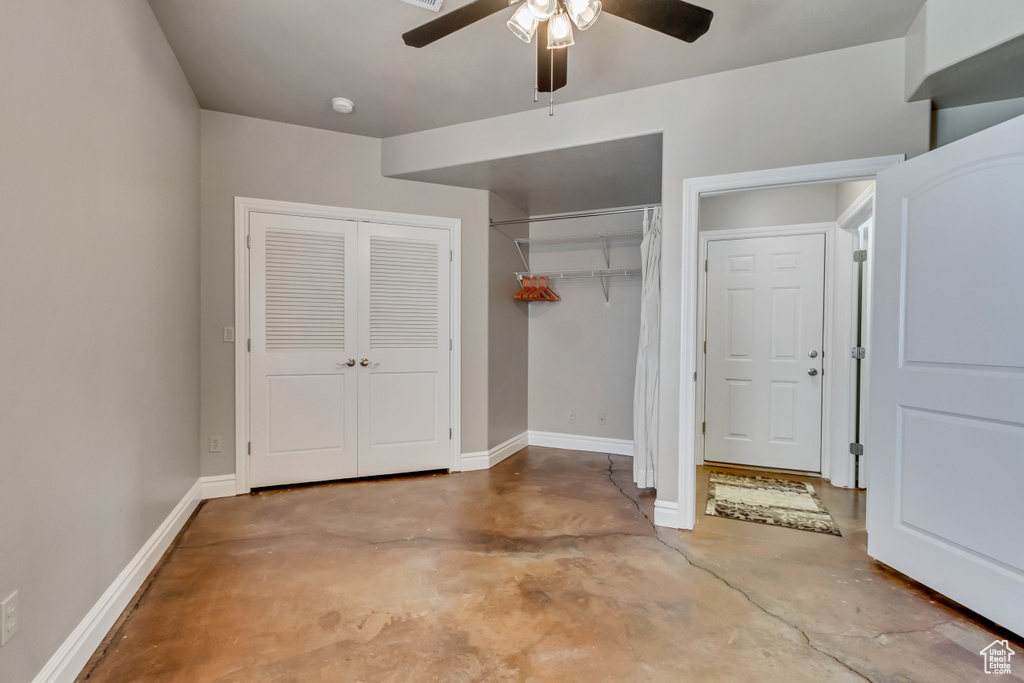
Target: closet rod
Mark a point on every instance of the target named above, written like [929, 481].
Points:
[564, 216]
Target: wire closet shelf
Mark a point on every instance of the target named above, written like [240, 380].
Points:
[605, 239]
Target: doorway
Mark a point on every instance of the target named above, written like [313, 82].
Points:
[349, 358]
[683, 514]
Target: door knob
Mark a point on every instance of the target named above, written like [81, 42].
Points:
[812, 372]
[813, 354]
[365, 362]
[350, 362]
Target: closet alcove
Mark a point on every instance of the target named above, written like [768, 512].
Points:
[582, 349]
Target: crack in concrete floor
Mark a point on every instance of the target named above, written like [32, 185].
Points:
[722, 579]
[510, 530]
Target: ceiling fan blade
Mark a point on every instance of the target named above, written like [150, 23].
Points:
[675, 18]
[552, 65]
[452, 22]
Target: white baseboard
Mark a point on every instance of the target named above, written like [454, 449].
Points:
[573, 442]
[74, 653]
[666, 514]
[220, 486]
[484, 460]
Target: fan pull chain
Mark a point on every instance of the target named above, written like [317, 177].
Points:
[551, 107]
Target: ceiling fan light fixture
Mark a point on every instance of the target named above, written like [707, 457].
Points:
[560, 31]
[523, 24]
[542, 9]
[586, 17]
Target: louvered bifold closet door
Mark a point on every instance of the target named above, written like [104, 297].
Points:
[404, 411]
[303, 299]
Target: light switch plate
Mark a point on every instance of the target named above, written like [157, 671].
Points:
[229, 335]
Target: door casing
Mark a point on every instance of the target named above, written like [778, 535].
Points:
[246, 205]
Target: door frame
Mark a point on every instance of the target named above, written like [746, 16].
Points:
[683, 514]
[845, 464]
[829, 376]
[244, 206]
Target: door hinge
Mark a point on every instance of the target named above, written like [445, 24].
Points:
[703, 427]
[860, 256]
[856, 449]
[249, 449]
[451, 255]
[248, 241]
[858, 353]
[705, 265]
[248, 345]
[451, 344]
[705, 346]
[450, 434]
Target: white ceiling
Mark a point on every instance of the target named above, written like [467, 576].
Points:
[283, 60]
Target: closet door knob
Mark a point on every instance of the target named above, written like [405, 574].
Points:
[365, 362]
[812, 372]
[350, 363]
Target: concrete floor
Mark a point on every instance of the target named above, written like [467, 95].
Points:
[545, 568]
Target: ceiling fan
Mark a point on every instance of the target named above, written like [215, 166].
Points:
[551, 21]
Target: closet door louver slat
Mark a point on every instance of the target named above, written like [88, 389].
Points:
[403, 294]
[305, 295]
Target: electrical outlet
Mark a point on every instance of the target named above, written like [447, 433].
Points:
[602, 418]
[229, 335]
[215, 444]
[572, 417]
[8, 618]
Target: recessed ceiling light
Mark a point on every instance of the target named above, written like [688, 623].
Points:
[342, 105]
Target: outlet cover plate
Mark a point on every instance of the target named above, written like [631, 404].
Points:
[8, 618]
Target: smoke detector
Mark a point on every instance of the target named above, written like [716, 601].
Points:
[432, 5]
[342, 105]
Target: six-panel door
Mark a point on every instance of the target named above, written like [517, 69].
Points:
[765, 316]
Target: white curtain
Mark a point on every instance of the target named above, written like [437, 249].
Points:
[645, 394]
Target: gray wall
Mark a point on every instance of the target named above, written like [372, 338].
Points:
[848, 193]
[821, 203]
[99, 303]
[764, 208]
[254, 158]
[950, 125]
[583, 350]
[507, 329]
[845, 104]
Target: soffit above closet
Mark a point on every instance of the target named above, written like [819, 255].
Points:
[618, 173]
[284, 61]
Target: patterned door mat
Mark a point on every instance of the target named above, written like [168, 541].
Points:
[768, 500]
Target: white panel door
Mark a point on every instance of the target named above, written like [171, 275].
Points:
[765, 317]
[303, 313]
[404, 349]
[946, 428]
